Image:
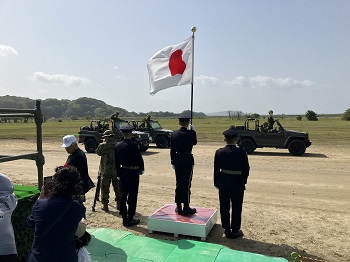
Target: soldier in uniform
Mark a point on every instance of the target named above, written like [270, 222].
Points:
[182, 142]
[270, 120]
[231, 170]
[107, 169]
[115, 116]
[129, 165]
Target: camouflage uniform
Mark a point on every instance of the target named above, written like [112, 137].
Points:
[108, 171]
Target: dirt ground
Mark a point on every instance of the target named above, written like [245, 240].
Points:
[299, 204]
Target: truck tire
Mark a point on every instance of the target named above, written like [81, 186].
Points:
[162, 142]
[297, 147]
[144, 148]
[90, 145]
[248, 145]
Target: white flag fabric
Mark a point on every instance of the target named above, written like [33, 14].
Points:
[171, 66]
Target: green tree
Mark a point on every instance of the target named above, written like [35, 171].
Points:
[299, 118]
[346, 115]
[311, 115]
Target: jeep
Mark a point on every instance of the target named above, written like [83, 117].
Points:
[159, 135]
[253, 136]
[91, 136]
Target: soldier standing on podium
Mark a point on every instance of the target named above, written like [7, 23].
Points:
[182, 142]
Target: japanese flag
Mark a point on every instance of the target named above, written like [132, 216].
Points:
[171, 66]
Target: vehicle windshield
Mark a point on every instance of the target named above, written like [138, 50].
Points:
[119, 124]
[155, 125]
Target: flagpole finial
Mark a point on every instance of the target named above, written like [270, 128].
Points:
[193, 29]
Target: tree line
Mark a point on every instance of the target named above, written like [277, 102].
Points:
[81, 108]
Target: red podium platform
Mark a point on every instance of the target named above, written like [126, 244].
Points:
[165, 219]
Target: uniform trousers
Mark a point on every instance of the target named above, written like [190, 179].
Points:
[183, 172]
[106, 179]
[129, 188]
[228, 197]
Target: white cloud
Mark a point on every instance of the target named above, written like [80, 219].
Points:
[260, 81]
[206, 80]
[6, 50]
[237, 81]
[60, 79]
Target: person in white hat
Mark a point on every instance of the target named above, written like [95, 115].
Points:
[8, 203]
[77, 158]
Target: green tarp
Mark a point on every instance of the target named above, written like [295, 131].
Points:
[117, 245]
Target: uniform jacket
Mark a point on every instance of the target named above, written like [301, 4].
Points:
[127, 153]
[107, 162]
[181, 144]
[231, 158]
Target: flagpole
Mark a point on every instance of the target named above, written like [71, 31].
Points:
[193, 29]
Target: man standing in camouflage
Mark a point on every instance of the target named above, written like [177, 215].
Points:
[107, 169]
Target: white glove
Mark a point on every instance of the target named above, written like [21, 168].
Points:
[192, 127]
[173, 167]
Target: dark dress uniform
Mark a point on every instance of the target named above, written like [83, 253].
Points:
[129, 164]
[231, 171]
[182, 142]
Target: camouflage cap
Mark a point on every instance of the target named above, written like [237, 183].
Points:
[108, 133]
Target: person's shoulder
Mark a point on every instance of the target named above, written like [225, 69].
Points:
[79, 206]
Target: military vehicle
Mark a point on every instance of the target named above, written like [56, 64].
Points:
[253, 135]
[159, 135]
[91, 136]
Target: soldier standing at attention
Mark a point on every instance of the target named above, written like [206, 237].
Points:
[129, 165]
[182, 142]
[231, 171]
[108, 170]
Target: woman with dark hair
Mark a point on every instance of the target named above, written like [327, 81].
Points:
[55, 217]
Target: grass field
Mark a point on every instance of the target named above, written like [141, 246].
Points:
[328, 130]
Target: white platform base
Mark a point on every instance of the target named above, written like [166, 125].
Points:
[167, 220]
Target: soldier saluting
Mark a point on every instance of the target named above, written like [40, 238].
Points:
[107, 169]
[182, 142]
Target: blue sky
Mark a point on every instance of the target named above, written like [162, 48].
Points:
[251, 56]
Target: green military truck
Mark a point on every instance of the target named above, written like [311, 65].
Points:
[91, 136]
[253, 135]
[159, 135]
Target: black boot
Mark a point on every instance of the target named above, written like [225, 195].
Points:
[189, 211]
[125, 220]
[178, 209]
[133, 221]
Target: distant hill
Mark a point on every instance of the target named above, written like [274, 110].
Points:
[83, 107]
